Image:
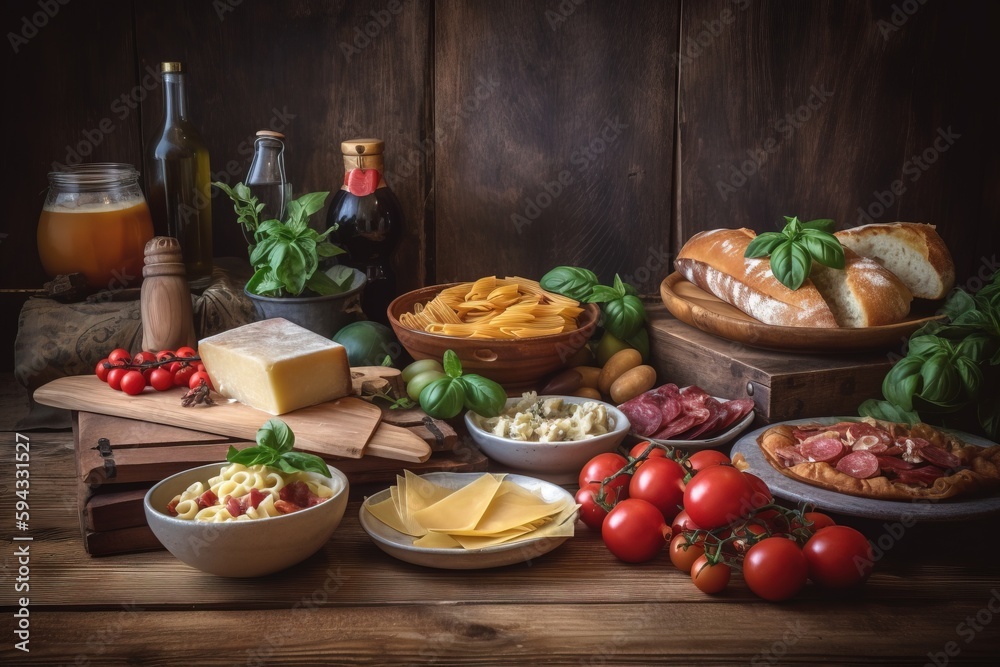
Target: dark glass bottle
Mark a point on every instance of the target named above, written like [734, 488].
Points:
[180, 198]
[369, 222]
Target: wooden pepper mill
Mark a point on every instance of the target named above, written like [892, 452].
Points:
[165, 300]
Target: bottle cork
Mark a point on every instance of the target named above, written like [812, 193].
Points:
[165, 298]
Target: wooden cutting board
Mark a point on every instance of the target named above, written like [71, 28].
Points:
[343, 428]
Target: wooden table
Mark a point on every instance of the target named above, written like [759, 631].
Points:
[350, 603]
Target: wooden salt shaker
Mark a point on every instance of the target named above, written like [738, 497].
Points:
[165, 299]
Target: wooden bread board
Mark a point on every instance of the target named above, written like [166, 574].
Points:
[347, 427]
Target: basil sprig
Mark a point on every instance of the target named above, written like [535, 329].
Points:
[445, 397]
[624, 314]
[794, 248]
[274, 448]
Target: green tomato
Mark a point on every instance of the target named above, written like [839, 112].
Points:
[418, 367]
[421, 380]
[443, 398]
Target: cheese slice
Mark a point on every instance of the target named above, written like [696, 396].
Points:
[276, 366]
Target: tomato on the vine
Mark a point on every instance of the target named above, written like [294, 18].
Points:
[591, 512]
[659, 481]
[603, 466]
[717, 496]
[654, 453]
[163, 355]
[133, 382]
[775, 568]
[120, 355]
[197, 378]
[161, 379]
[183, 376]
[838, 557]
[683, 554]
[709, 577]
[634, 531]
[818, 521]
[707, 457]
[115, 376]
[143, 357]
[683, 523]
[101, 371]
[185, 352]
[761, 493]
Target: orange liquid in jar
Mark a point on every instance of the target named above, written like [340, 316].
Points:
[105, 242]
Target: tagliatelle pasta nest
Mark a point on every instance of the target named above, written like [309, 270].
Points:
[492, 307]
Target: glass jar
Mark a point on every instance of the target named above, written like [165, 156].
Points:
[95, 221]
[266, 179]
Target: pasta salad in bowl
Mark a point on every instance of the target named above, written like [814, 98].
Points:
[237, 520]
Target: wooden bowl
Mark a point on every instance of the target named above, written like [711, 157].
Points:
[514, 362]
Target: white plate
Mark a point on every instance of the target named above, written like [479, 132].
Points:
[897, 510]
[709, 443]
[400, 546]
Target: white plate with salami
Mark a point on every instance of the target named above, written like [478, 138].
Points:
[687, 418]
[915, 509]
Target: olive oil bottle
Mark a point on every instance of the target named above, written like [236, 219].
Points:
[180, 181]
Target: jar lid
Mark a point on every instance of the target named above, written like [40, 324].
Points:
[94, 174]
[171, 66]
[270, 133]
[362, 147]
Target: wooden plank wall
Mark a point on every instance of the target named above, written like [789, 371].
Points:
[523, 134]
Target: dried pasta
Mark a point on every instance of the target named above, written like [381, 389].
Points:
[492, 307]
[236, 481]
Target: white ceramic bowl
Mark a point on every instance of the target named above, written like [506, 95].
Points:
[243, 548]
[547, 457]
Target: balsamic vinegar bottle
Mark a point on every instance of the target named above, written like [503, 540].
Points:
[369, 222]
[180, 198]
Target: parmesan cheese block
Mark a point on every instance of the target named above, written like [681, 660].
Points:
[276, 366]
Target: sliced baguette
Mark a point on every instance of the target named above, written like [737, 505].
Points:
[913, 251]
[864, 293]
[714, 261]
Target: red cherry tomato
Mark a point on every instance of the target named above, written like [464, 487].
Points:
[119, 355]
[761, 493]
[183, 376]
[186, 352]
[161, 379]
[197, 378]
[163, 355]
[654, 453]
[115, 376]
[591, 513]
[683, 523]
[682, 554]
[200, 367]
[634, 531]
[818, 521]
[603, 466]
[143, 357]
[707, 457]
[710, 578]
[173, 367]
[133, 383]
[838, 557]
[775, 568]
[659, 481]
[717, 496]
[101, 371]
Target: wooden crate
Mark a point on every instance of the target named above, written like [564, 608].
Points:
[782, 385]
[119, 459]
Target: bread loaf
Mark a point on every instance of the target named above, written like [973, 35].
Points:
[714, 261]
[863, 294]
[912, 251]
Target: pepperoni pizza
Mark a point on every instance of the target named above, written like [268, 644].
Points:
[883, 460]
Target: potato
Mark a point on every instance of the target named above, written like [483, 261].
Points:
[588, 392]
[589, 375]
[562, 384]
[633, 382]
[619, 362]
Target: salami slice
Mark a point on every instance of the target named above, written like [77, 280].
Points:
[870, 443]
[860, 465]
[922, 476]
[894, 463]
[939, 457]
[736, 410]
[667, 397]
[716, 411]
[825, 449]
[790, 456]
[644, 414]
[689, 418]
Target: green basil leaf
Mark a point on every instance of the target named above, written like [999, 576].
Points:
[305, 462]
[574, 282]
[624, 317]
[790, 264]
[793, 228]
[619, 286]
[922, 347]
[443, 398]
[311, 203]
[764, 244]
[322, 284]
[483, 396]
[249, 456]
[824, 248]
[888, 412]
[821, 224]
[941, 383]
[452, 364]
[902, 382]
[970, 375]
[602, 294]
[276, 435]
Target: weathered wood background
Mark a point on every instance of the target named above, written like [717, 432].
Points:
[524, 134]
